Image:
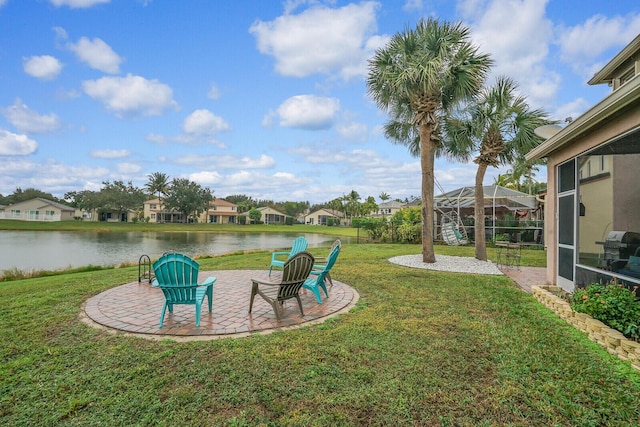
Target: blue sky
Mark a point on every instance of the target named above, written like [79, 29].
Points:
[263, 98]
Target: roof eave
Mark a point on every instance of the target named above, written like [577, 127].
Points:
[606, 73]
[609, 106]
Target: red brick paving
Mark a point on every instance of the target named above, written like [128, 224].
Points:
[526, 277]
[135, 308]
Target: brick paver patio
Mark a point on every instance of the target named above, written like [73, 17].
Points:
[135, 308]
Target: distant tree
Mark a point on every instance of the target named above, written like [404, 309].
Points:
[85, 200]
[384, 197]
[120, 197]
[255, 215]
[351, 204]
[244, 202]
[368, 206]
[188, 198]
[292, 209]
[158, 185]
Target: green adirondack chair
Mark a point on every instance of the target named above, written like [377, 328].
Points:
[295, 272]
[316, 280]
[278, 258]
[177, 276]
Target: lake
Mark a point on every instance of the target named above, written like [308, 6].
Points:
[55, 250]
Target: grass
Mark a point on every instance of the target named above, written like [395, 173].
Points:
[421, 348]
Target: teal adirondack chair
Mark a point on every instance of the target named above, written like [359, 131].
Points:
[316, 280]
[295, 271]
[177, 277]
[277, 258]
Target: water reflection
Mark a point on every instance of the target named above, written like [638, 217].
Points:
[53, 250]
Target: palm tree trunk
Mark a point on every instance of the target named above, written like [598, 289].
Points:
[427, 158]
[479, 232]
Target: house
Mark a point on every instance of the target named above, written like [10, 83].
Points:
[592, 182]
[222, 212]
[39, 209]
[272, 216]
[388, 209]
[322, 217]
[154, 211]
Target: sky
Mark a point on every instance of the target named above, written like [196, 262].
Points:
[262, 98]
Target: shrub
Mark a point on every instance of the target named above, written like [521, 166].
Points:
[613, 304]
[409, 233]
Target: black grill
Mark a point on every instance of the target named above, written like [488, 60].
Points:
[620, 245]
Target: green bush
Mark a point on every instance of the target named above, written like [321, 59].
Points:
[409, 233]
[613, 304]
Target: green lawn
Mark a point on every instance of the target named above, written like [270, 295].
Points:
[421, 348]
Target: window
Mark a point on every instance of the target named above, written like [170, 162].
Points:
[152, 206]
[153, 216]
[15, 213]
[609, 201]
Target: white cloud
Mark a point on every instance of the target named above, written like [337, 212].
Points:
[320, 40]
[110, 154]
[128, 168]
[206, 178]
[308, 112]
[517, 34]
[12, 144]
[573, 109]
[97, 54]
[581, 44]
[411, 5]
[227, 161]
[204, 122]
[29, 121]
[43, 67]
[131, 95]
[77, 4]
[214, 92]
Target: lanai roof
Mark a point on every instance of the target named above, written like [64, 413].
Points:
[494, 195]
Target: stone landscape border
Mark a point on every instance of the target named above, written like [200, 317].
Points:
[612, 340]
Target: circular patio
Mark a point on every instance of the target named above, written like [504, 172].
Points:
[134, 308]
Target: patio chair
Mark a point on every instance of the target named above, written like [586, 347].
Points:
[277, 258]
[177, 277]
[295, 271]
[314, 284]
[321, 262]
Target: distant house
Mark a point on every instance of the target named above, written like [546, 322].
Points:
[222, 212]
[322, 217]
[272, 216]
[155, 212]
[387, 209]
[39, 209]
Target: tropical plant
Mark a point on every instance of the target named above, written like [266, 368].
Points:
[158, 184]
[417, 78]
[500, 125]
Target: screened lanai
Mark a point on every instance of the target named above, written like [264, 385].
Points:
[458, 206]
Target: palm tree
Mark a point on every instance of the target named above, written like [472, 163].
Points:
[384, 197]
[418, 77]
[500, 124]
[158, 184]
